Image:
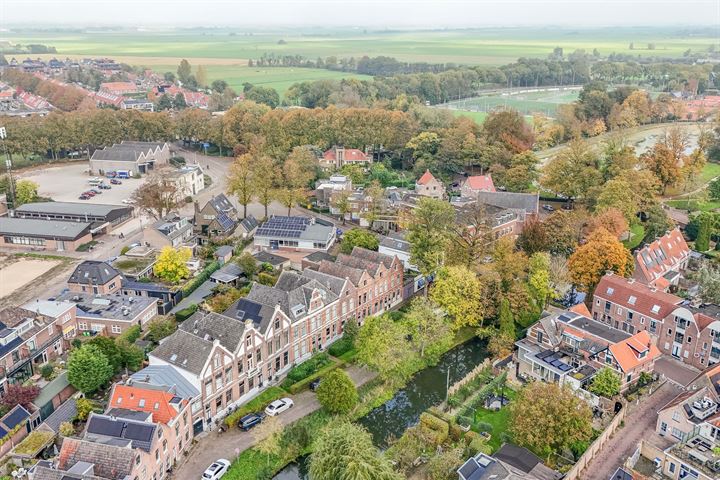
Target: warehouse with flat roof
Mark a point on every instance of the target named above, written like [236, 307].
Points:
[103, 217]
[39, 234]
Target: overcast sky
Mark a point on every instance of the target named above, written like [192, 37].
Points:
[377, 13]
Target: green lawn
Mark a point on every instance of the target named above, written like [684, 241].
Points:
[637, 233]
[694, 205]
[479, 117]
[710, 171]
[527, 103]
[498, 420]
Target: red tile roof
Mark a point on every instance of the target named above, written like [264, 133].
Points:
[627, 352]
[635, 296]
[153, 401]
[661, 256]
[119, 87]
[581, 309]
[426, 178]
[481, 183]
[350, 155]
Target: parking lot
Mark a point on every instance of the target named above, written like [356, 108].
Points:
[65, 184]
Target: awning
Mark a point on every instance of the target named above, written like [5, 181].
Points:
[95, 227]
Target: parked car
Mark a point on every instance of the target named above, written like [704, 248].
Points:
[250, 420]
[567, 206]
[127, 201]
[89, 193]
[134, 244]
[218, 468]
[278, 406]
[115, 181]
[548, 208]
[96, 190]
[104, 187]
[84, 197]
[315, 384]
[110, 174]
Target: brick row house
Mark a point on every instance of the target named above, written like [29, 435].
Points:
[230, 357]
[686, 331]
[569, 347]
[659, 264]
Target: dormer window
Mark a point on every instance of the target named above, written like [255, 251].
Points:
[298, 310]
[141, 403]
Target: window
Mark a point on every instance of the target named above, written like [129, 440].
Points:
[672, 467]
[539, 337]
[116, 329]
[228, 396]
[141, 403]
[157, 407]
[277, 323]
[677, 433]
[676, 416]
[663, 427]
[164, 445]
[218, 403]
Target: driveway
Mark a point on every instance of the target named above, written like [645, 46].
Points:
[675, 371]
[639, 424]
[231, 443]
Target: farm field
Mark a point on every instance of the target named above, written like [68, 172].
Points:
[225, 52]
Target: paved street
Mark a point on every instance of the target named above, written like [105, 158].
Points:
[639, 424]
[229, 444]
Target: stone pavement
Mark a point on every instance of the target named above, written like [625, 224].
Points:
[228, 445]
[639, 424]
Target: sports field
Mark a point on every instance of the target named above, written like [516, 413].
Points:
[545, 102]
[231, 48]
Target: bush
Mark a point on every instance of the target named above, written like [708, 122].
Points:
[84, 407]
[337, 393]
[298, 387]
[257, 404]
[193, 284]
[67, 429]
[340, 347]
[484, 427]
[465, 421]
[456, 432]
[131, 334]
[306, 369]
[124, 250]
[435, 428]
[185, 313]
[266, 279]
[47, 370]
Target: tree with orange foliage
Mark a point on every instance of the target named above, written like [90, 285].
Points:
[611, 220]
[601, 253]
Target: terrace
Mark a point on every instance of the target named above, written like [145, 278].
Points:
[698, 454]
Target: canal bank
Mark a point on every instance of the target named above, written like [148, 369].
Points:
[427, 388]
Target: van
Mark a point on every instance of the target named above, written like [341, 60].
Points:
[123, 174]
[95, 181]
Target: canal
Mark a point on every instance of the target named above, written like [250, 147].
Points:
[426, 389]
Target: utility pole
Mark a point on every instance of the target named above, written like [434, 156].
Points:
[8, 166]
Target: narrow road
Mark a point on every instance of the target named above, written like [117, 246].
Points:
[231, 443]
[639, 424]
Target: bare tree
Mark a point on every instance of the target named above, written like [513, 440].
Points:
[159, 195]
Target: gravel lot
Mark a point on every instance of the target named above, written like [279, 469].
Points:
[65, 183]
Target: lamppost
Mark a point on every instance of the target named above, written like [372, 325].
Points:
[8, 166]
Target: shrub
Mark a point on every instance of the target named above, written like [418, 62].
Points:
[257, 404]
[484, 427]
[84, 407]
[266, 279]
[340, 347]
[67, 429]
[470, 436]
[185, 313]
[193, 284]
[478, 445]
[465, 421]
[456, 432]
[337, 393]
[131, 334]
[434, 428]
[124, 250]
[306, 368]
[47, 370]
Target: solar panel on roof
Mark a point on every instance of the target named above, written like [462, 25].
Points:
[225, 221]
[141, 433]
[104, 426]
[544, 354]
[3, 432]
[16, 417]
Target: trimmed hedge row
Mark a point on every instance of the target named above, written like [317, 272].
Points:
[185, 313]
[306, 368]
[201, 278]
[297, 387]
[257, 404]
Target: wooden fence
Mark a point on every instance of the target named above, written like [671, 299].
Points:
[469, 377]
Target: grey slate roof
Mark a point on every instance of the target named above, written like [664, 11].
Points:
[372, 256]
[228, 273]
[221, 203]
[332, 283]
[340, 270]
[214, 326]
[170, 226]
[35, 227]
[64, 413]
[184, 350]
[166, 376]
[245, 309]
[111, 462]
[518, 201]
[249, 223]
[396, 244]
[319, 256]
[356, 261]
[223, 251]
[70, 208]
[93, 272]
[272, 259]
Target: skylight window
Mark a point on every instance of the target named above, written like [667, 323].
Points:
[632, 300]
[141, 403]
[610, 291]
[656, 308]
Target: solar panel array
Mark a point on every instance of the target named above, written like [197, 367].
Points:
[16, 417]
[553, 358]
[284, 227]
[141, 433]
[225, 222]
[104, 426]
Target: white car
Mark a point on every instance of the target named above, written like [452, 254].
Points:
[216, 470]
[278, 406]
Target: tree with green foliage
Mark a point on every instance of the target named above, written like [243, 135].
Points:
[429, 228]
[606, 383]
[539, 278]
[432, 334]
[344, 451]
[505, 319]
[268, 436]
[88, 369]
[184, 71]
[171, 264]
[573, 172]
[265, 95]
[109, 348]
[708, 279]
[248, 264]
[547, 418]
[458, 290]
[337, 393]
[84, 407]
[714, 189]
[706, 226]
[241, 182]
[132, 355]
[358, 237]
[26, 191]
[381, 345]
[161, 327]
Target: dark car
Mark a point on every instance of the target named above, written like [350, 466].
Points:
[104, 187]
[115, 181]
[567, 206]
[315, 384]
[84, 197]
[249, 421]
[548, 208]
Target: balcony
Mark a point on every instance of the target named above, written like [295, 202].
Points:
[699, 454]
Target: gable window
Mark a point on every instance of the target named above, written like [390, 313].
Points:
[539, 337]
